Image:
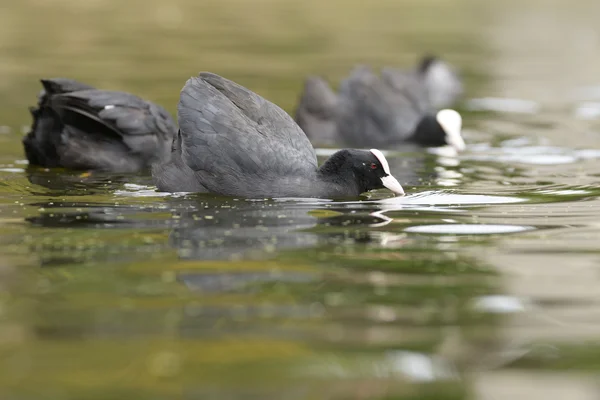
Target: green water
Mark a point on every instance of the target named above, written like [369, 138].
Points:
[481, 283]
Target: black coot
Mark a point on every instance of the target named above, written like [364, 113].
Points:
[233, 142]
[382, 111]
[442, 82]
[317, 112]
[79, 127]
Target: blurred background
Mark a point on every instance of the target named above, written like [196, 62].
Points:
[109, 295]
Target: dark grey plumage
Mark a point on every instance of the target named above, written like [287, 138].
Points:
[79, 127]
[371, 110]
[317, 111]
[234, 142]
[374, 112]
[443, 83]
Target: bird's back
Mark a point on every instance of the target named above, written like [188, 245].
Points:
[317, 111]
[77, 126]
[372, 114]
[442, 82]
[235, 142]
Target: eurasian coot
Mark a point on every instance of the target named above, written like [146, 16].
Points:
[383, 111]
[79, 127]
[233, 142]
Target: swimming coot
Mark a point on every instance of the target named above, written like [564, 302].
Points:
[382, 111]
[79, 127]
[317, 112]
[233, 142]
[442, 82]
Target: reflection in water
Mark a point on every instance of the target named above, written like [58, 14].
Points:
[247, 229]
[499, 304]
[537, 155]
[237, 229]
[163, 296]
[504, 105]
[332, 278]
[405, 365]
[468, 229]
[352, 288]
[204, 227]
[588, 110]
[74, 183]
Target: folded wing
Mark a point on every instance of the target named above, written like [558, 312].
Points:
[229, 133]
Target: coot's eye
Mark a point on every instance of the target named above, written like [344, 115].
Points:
[373, 166]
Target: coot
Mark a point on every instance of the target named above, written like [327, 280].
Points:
[317, 112]
[382, 111]
[442, 81]
[233, 142]
[77, 126]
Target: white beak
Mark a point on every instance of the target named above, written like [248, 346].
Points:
[391, 183]
[388, 181]
[456, 141]
[451, 123]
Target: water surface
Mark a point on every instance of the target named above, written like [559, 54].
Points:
[480, 283]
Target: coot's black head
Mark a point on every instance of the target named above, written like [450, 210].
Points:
[441, 129]
[365, 169]
[427, 61]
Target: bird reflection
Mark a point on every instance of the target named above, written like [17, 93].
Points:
[63, 182]
[251, 229]
[208, 227]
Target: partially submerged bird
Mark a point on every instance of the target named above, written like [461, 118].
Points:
[233, 142]
[394, 108]
[79, 127]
